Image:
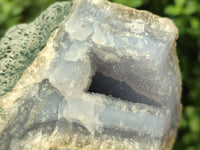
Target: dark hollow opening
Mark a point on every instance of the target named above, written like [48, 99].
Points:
[111, 87]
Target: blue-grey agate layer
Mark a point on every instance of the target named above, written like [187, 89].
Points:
[104, 77]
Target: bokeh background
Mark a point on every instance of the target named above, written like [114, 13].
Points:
[185, 14]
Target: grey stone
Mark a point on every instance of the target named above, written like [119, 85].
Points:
[107, 78]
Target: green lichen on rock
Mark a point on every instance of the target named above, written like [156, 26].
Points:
[22, 43]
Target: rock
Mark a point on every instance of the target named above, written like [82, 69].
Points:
[103, 77]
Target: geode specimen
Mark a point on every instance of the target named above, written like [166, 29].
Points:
[93, 76]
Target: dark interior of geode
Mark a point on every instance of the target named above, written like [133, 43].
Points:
[109, 86]
[106, 81]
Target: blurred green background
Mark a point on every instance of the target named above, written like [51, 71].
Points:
[185, 14]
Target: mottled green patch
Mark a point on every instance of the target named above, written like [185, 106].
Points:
[22, 43]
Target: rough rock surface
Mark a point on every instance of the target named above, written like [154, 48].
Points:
[104, 77]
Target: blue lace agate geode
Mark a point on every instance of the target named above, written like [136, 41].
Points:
[95, 76]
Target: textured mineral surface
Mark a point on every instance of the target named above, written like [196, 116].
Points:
[91, 75]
